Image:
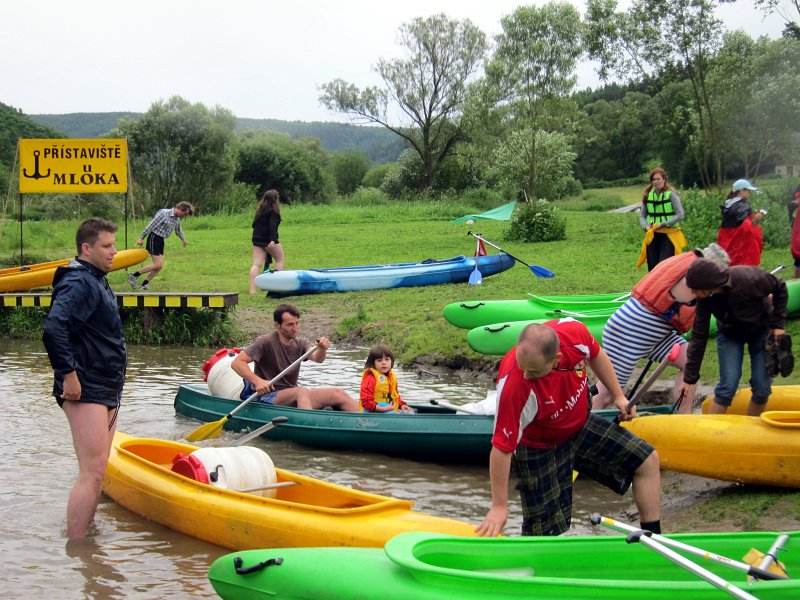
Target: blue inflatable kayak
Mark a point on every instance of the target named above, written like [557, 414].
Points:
[374, 277]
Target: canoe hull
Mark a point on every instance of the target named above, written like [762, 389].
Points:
[41, 275]
[312, 513]
[372, 277]
[726, 447]
[430, 567]
[433, 434]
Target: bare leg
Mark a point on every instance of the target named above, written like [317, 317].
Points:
[259, 256]
[92, 441]
[158, 264]
[686, 403]
[276, 251]
[754, 410]
[318, 398]
[647, 489]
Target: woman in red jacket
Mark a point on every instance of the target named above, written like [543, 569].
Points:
[740, 233]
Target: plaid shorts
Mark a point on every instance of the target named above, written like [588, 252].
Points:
[602, 450]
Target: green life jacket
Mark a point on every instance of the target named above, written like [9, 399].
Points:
[659, 207]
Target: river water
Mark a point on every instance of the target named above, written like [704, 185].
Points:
[130, 557]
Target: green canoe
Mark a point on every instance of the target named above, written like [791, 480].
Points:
[434, 433]
[476, 313]
[425, 566]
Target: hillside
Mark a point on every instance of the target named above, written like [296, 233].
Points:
[377, 143]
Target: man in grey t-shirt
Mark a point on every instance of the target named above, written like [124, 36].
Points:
[275, 351]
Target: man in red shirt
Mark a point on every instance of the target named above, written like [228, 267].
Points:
[543, 417]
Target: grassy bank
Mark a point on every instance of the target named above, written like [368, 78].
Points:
[599, 255]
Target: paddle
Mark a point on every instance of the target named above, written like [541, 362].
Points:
[263, 429]
[535, 269]
[213, 429]
[757, 572]
[475, 278]
[769, 557]
[449, 406]
[671, 357]
[645, 538]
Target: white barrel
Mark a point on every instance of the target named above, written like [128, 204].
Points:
[223, 381]
[239, 468]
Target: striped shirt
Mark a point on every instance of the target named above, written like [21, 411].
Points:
[163, 224]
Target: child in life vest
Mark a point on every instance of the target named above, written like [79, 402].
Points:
[379, 383]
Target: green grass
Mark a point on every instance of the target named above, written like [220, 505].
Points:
[599, 255]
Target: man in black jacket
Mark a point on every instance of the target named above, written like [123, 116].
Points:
[750, 307]
[83, 338]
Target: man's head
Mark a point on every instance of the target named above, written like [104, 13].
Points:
[537, 351]
[706, 276]
[287, 319]
[183, 209]
[95, 242]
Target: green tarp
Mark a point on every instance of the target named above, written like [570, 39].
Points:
[501, 213]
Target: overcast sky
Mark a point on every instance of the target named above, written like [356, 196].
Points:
[259, 59]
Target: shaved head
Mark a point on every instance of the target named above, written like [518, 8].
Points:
[537, 350]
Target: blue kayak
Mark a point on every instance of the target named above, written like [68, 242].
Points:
[376, 277]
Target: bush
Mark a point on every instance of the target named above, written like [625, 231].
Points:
[367, 196]
[375, 176]
[537, 221]
[701, 217]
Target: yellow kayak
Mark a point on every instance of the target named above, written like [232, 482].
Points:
[306, 512]
[753, 450]
[784, 397]
[20, 279]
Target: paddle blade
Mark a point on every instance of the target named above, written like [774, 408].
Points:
[475, 278]
[207, 431]
[541, 271]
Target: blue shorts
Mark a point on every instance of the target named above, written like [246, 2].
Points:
[268, 398]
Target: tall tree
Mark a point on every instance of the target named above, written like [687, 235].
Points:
[425, 91]
[180, 151]
[533, 66]
[651, 39]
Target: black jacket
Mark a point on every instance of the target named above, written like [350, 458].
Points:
[83, 332]
[743, 312]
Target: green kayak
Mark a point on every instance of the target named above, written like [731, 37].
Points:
[476, 313]
[426, 566]
[499, 338]
[471, 314]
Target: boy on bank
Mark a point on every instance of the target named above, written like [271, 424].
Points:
[163, 224]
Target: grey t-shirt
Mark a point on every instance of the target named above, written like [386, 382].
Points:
[271, 357]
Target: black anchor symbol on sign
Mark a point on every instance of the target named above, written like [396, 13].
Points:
[36, 174]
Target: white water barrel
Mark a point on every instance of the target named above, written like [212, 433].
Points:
[239, 468]
[223, 381]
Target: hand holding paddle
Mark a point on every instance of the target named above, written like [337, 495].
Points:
[213, 429]
[535, 269]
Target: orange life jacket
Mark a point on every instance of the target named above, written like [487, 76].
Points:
[653, 290]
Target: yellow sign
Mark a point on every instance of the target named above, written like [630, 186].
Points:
[65, 165]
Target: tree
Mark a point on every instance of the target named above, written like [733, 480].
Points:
[654, 38]
[533, 65]
[757, 83]
[296, 168]
[180, 151]
[426, 90]
[792, 29]
[554, 159]
[348, 169]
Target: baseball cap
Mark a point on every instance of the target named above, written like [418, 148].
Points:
[743, 184]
